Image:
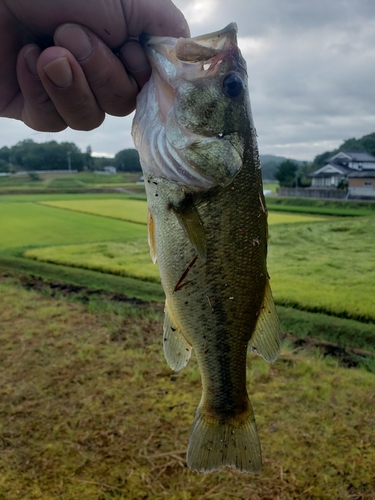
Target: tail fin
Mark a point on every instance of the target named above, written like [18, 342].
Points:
[214, 443]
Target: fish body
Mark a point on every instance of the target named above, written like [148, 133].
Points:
[208, 231]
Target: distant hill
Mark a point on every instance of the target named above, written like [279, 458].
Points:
[365, 143]
[270, 164]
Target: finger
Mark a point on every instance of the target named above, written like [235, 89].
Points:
[135, 61]
[114, 89]
[67, 87]
[154, 17]
[36, 108]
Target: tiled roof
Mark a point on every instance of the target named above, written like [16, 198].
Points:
[357, 156]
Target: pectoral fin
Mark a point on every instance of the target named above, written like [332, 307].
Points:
[266, 337]
[177, 350]
[190, 221]
[151, 236]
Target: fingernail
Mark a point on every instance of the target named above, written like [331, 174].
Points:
[59, 72]
[31, 58]
[75, 39]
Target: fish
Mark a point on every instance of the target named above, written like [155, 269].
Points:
[207, 230]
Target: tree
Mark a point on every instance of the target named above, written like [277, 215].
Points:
[5, 154]
[365, 143]
[127, 160]
[4, 166]
[286, 173]
[29, 155]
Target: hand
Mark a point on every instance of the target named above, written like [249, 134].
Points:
[54, 74]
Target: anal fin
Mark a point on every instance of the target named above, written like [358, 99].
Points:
[177, 350]
[265, 340]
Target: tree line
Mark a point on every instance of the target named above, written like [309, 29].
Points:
[365, 144]
[30, 156]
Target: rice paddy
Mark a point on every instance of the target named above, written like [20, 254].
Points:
[130, 210]
[327, 267]
[316, 263]
[31, 224]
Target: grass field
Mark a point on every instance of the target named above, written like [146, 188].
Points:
[91, 411]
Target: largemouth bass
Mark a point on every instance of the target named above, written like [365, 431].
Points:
[208, 231]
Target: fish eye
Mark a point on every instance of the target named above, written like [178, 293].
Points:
[233, 85]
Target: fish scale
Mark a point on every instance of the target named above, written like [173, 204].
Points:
[209, 235]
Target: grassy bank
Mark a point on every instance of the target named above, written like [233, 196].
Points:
[90, 410]
[347, 208]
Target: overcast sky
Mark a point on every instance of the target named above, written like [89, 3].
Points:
[311, 67]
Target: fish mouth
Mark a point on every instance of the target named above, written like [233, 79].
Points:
[211, 46]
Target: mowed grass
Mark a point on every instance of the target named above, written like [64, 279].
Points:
[328, 267]
[90, 410]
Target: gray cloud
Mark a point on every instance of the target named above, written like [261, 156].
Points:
[311, 74]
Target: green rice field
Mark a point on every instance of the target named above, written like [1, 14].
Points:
[32, 224]
[316, 263]
[132, 210]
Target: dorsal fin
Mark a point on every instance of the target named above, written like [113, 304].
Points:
[177, 350]
[151, 236]
[266, 338]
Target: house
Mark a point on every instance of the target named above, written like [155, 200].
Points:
[340, 166]
[361, 184]
[110, 169]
